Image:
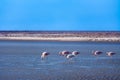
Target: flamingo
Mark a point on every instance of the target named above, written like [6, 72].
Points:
[64, 53]
[44, 54]
[110, 53]
[97, 53]
[75, 53]
[70, 56]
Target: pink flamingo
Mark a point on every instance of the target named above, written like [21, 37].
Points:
[44, 54]
[96, 52]
[110, 53]
[64, 53]
[74, 53]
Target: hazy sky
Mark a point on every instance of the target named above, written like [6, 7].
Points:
[60, 15]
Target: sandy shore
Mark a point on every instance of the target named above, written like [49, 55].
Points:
[111, 39]
[60, 35]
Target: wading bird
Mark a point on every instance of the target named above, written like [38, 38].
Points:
[110, 53]
[70, 56]
[64, 53]
[44, 54]
[96, 53]
[75, 53]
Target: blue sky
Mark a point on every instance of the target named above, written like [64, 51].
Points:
[85, 15]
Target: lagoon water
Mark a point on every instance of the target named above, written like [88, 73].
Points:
[20, 60]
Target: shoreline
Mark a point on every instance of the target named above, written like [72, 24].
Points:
[92, 39]
[61, 36]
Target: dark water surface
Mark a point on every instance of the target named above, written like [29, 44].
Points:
[20, 60]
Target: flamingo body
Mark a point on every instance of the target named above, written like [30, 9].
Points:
[97, 53]
[44, 54]
[70, 56]
[110, 53]
[75, 53]
[64, 53]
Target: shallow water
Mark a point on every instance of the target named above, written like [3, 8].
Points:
[20, 60]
